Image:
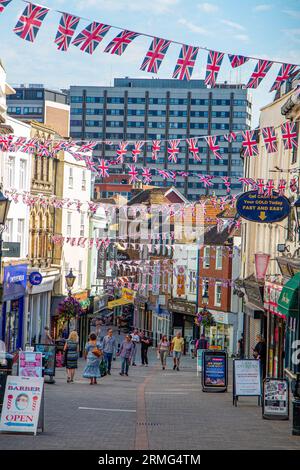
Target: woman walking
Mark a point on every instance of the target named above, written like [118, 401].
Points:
[92, 355]
[163, 350]
[126, 352]
[71, 355]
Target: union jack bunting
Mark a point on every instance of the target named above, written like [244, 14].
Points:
[164, 173]
[270, 188]
[17, 144]
[227, 183]
[206, 180]
[185, 63]
[214, 62]
[119, 44]
[43, 149]
[133, 174]
[230, 137]
[281, 187]
[90, 164]
[136, 152]
[294, 185]
[193, 148]
[91, 36]
[29, 146]
[103, 168]
[172, 174]
[121, 151]
[249, 144]
[286, 70]
[5, 142]
[30, 21]
[261, 69]
[3, 4]
[66, 28]
[289, 135]
[155, 148]
[270, 139]
[211, 142]
[155, 55]
[237, 60]
[88, 146]
[146, 175]
[260, 186]
[173, 150]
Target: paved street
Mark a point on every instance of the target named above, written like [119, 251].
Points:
[151, 409]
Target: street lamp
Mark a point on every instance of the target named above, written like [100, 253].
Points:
[70, 279]
[297, 216]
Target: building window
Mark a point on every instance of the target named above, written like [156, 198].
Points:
[69, 223]
[23, 175]
[10, 171]
[80, 280]
[71, 179]
[21, 233]
[218, 294]
[219, 251]
[8, 232]
[83, 182]
[205, 288]
[206, 257]
[192, 283]
[82, 224]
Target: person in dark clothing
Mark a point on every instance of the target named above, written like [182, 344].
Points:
[145, 343]
[201, 343]
[260, 352]
[241, 350]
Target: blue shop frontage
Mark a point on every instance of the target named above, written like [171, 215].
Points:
[12, 315]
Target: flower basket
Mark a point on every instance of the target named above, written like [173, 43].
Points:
[205, 319]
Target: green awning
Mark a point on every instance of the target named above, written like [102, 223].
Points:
[289, 299]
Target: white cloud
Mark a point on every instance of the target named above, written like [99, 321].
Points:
[242, 37]
[233, 25]
[292, 13]
[193, 27]
[208, 7]
[262, 7]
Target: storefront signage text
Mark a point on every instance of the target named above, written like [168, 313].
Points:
[263, 209]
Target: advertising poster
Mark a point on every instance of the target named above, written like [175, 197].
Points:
[214, 370]
[30, 364]
[21, 406]
[199, 359]
[48, 350]
[276, 398]
[247, 377]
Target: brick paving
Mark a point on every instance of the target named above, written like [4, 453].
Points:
[161, 410]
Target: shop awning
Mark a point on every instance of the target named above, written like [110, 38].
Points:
[289, 300]
[118, 303]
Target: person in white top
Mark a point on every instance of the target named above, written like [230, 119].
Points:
[135, 340]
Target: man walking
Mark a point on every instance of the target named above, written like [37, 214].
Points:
[135, 337]
[109, 348]
[145, 343]
[177, 348]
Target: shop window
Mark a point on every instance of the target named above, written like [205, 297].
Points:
[192, 283]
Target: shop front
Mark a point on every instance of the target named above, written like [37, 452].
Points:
[12, 318]
[161, 324]
[123, 309]
[183, 318]
[140, 309]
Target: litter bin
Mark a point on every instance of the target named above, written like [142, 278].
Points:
[6, 364]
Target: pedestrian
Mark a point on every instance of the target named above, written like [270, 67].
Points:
[145, 343]
[260, 352]
[109, 348]
[92, 355]
[71, 355]
[177, 348]
[163, 350]
[241, 350]
[201, 343]
[126, 352]
[135, 341]
[46, 337]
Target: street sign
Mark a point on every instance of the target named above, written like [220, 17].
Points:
[246, 379]
[276, 399]
[262, 209]
[11, 250]
[35, 278]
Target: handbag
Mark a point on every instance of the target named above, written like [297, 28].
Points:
[97, 352]
[102, 368]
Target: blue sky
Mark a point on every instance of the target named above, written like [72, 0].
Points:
[267, 29]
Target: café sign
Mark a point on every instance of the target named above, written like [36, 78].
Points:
[262, 209]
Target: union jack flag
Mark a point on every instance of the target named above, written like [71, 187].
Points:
[133, 174]
[30, 21]
[164, 173]
[3, 4]
[173, 150]
[237, 60]
[249, 144]
[155, 55]
[172, 174]
[88, 146]
[261, 69]
[155, 148]
[214, 62]
[211, 142]
[90, 164]
[17, 144]
[186, 62]
[206, 180]
[193, 148]
[103, 168]
[146, 175]
[286, 70]
[119, 44]
[294, 185]
[91, 36]
[67, 25]
[281, 187]
[137, 150]
[260, 186]
[289, 135]
[43, 149]
[121, 151]
[5, 142]
[230, 137]
[227, 183]
[270, 139]
[270, 188]
[29, 146]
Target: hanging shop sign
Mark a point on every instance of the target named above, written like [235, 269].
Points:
[262, 209]
[21, 406]
[48, 351]
[276, 399]
[182, 307]
[35, 278]
[14, 282]
[246, 379]
[30, 364]
[214, 371]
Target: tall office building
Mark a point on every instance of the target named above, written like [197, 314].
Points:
[37, 103]
[164, 109]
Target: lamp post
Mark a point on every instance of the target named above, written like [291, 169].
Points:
[70, 279]
[205, 302]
